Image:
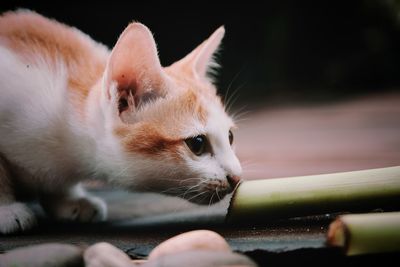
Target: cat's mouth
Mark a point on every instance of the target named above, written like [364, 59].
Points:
[209, 193]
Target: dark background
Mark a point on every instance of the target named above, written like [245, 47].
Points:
[279, 51]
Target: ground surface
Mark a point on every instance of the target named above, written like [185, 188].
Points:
[351, 135]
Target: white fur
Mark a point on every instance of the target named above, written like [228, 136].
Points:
[217, 129]
[43, 138]
[37, 119]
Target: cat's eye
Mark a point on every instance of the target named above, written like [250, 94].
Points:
[230, 137]
[197, 144]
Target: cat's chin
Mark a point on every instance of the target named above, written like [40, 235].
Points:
[207, 197]
[206, 201]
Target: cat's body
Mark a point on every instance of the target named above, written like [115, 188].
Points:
[70, 109]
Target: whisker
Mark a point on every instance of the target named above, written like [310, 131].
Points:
[232, 81]
[212, 196]
[216, 191]
[228, 104]
[173, 188]
[240, 120]
[195, 196]
[181, 181]
[240, 109]
[233, 98]
[240, 113]
[190, 189]
[188, 179]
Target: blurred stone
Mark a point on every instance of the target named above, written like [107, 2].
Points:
[45, 255]
[105, 254]
[201, 258]
[193, 240]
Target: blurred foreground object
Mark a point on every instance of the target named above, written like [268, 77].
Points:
[43, 255]
[370, 233]
[200, 248]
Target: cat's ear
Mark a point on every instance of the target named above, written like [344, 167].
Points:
[133, 73]
[200, 61]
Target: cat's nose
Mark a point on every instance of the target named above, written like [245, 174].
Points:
[233, 180]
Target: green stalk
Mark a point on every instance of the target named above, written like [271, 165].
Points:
[366, 233]
[316, 194]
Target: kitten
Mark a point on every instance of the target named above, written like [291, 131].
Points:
[70, 109]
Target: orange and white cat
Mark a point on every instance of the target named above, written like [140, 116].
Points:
[70, 109]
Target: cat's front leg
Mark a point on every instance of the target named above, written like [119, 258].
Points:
[14, 216]
[74, 204]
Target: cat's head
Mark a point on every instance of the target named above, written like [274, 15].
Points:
[171, 126]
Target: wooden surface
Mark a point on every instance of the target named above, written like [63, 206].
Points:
[350, 135]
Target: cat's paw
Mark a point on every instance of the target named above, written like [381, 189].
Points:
[16, 217]
[85, 209]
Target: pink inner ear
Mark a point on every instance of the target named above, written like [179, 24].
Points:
[134, 62]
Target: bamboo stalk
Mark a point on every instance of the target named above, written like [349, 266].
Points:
[366, 233]
[316, 194]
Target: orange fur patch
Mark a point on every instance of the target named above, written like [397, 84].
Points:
[189, 104]
[30, 35]
[145, 139]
